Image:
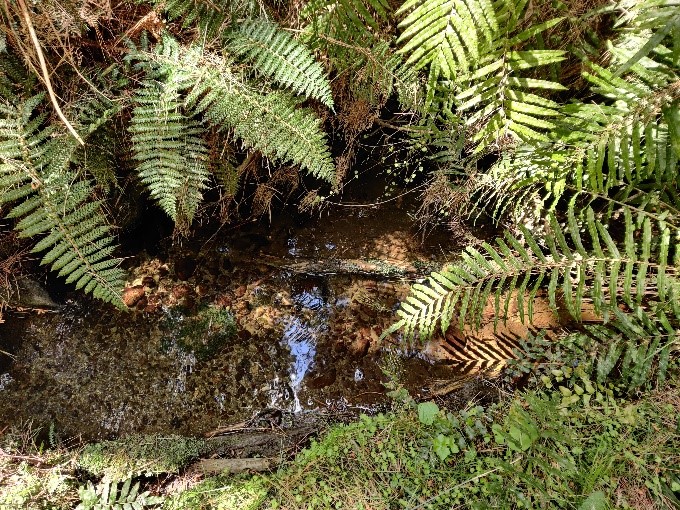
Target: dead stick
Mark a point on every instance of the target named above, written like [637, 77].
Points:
[45, 72]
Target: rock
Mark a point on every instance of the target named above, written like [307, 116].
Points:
[141, 303]
[185, 267]
[223, 301]
[321, 381]
[148, 281]
[28, 293]
[359, 347]
[240, 292]
[131, 295]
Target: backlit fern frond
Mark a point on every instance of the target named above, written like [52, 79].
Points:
[634, 139]
[629, 137]
[647, 23]
[475, 52]
[641, 273]
[169, 149]
[51, 201]
[499, 100]
[450, 34]
[525, 184]
[274, 53]
[270, 122]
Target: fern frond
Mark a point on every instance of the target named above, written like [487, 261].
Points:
[449, 34]
[505, 103]
[54, 203]
[662, 19]
[108, 495]
[627, 142]
[629, 137]
[169, 149]
[603, 274]
[208, 15]
[274, 53]
[271, 123]
[349, 21]
[474, 53]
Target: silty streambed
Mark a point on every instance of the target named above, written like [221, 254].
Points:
[305, 338]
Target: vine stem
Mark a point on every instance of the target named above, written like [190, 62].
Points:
[45, 72]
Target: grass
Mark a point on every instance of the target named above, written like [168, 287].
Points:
[532, 451]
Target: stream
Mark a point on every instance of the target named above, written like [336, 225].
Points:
[226, 325]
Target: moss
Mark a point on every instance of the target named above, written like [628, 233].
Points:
[222, 493]
[204, 334]
[139, 454]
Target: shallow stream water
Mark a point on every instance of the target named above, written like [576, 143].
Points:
[307, 341]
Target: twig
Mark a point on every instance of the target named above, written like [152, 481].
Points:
[45, 72]
[8, 354]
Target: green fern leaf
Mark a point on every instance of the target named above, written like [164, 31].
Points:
[56, 204]
[276, 54]
[171, 154]
[574, 275]
[271, 123]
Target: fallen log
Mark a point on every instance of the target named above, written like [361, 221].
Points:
[217, 466]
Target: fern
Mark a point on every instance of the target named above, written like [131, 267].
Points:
[355, 38]
[473, 51]
[630, 353]
[662, 18]
[348, 21]
[169, 149]
[448, 35]
[271, 123]
[631, 136]
[108, 496]
[53, 202]
[276, 54]
[641, 273]
[208, 15]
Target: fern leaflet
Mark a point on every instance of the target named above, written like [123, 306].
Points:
[275, 53]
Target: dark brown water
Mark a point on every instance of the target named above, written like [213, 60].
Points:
[305, 342]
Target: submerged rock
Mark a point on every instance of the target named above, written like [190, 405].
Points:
[25, 292]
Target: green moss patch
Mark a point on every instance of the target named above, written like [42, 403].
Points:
[140, 454]
[203, 334]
